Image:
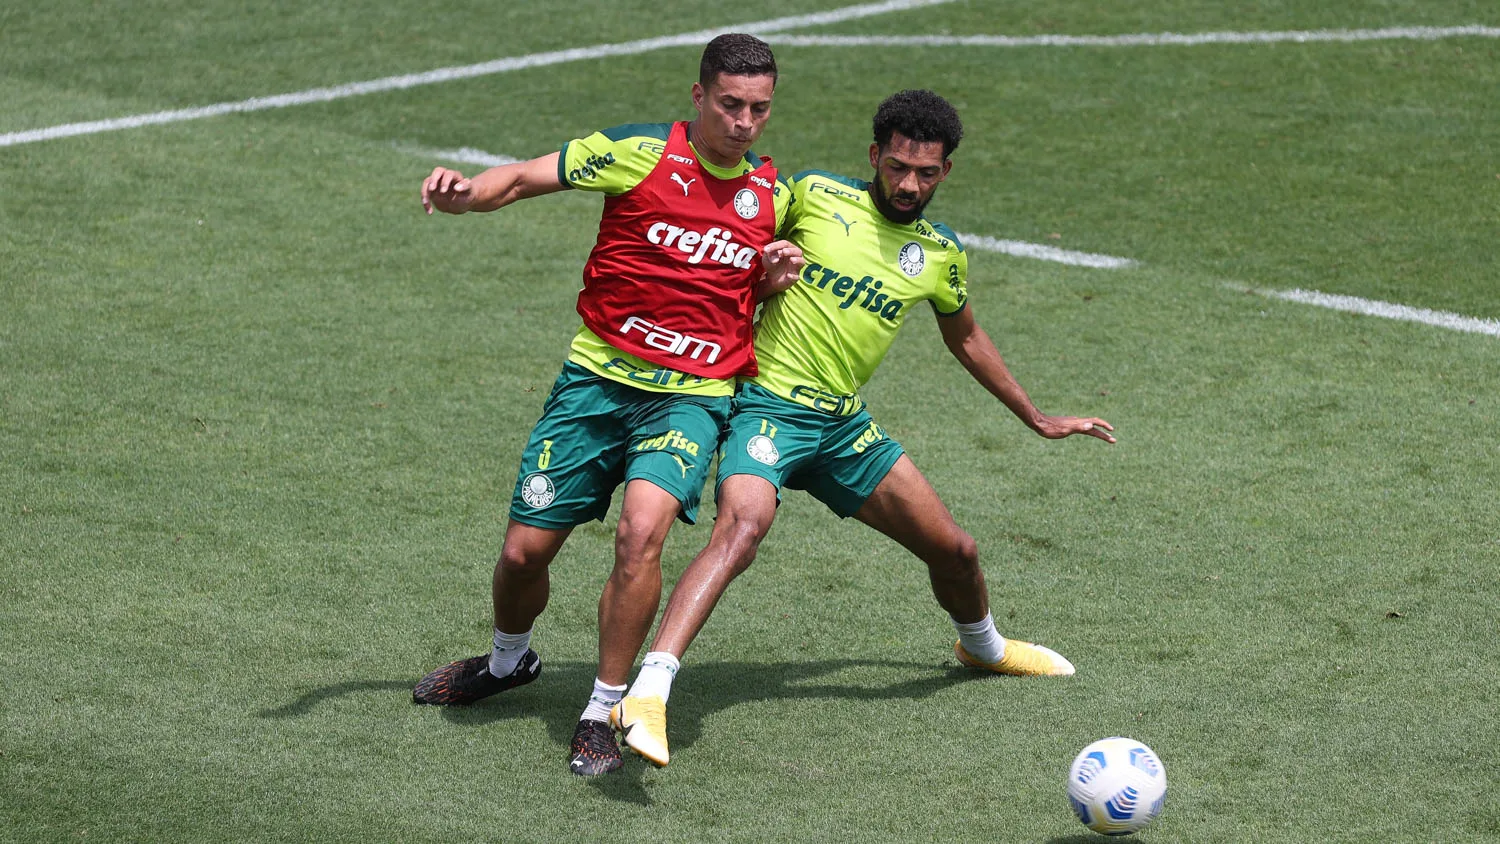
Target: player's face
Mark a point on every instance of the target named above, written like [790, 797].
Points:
[907, 174]
[732, 112]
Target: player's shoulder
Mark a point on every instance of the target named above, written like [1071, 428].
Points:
[827, 182]
[627, 139]
[613, 160]
[644, 131]
[945, 235]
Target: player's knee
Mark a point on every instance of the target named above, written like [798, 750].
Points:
[966, 551]
[517, 562]
[738, 538]
[960, 558]
[638, 542]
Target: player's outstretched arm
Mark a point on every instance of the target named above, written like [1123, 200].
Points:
[976, 351]
[448, 191]
[783, 263]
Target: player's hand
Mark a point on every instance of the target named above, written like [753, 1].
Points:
[447, 191]
[1058, 427]
[783, 263]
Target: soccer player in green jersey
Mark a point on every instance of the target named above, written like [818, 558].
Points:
[667, 300]
[871, 256]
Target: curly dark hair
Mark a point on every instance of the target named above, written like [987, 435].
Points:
[920, 115]
[736, 54]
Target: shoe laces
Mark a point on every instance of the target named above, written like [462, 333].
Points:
[595, 738]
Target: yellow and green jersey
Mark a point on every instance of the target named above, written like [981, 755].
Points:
[822, 339]
[613, 162]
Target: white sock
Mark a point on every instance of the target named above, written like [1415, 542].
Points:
[981, 639]
[507, 651]
[658, 670]
[602, 701]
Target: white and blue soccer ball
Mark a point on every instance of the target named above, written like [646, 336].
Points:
[1117, 786]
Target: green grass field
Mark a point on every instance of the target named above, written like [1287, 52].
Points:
[260, 420]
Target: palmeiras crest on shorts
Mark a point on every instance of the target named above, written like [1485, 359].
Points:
[746, 203]
[911, 259]
[762, 449]
[537, 490]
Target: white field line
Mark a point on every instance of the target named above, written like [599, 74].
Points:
[1022, 249]
[1164, 39]
[767, 28]
[1350, 304]
[462, 155]
[1389, 310]
[469, 155]
[449, 74]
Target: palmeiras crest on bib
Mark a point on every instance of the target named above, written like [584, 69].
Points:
[911, 259]
[762, 449]
[537, 490]
[746, 204]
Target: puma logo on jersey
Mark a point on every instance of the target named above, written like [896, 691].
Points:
[713, 245]
[678, 179]
[846, 223]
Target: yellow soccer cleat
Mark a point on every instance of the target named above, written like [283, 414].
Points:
[642, 722]
[1022, 659]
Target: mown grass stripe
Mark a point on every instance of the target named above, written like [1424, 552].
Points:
[1162, 39]
[450, 74]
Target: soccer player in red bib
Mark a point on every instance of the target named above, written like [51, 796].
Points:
[871, 256]
[687, 246]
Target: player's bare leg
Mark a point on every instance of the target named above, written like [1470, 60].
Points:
[633, 592]
[626, 609]
[519, 589]
[747, 505]
[521, 584]
[905, 507]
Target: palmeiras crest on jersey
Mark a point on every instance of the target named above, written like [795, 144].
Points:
[761, 448]
[746, 204]
[911, 259]
[537, 490]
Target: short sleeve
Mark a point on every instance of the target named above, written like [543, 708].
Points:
[615, 160]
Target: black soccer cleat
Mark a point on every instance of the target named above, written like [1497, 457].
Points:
[468, 680]
[594, 750]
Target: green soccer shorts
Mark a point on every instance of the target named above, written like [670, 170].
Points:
[596, 433]
[839, 460]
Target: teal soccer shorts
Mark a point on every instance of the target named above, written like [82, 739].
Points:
[839, 460]
[596, 433]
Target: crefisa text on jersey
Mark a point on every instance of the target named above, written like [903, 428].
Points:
[696, 245]
[831, 280]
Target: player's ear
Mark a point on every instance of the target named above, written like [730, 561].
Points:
[947, 165]
[875, 155]
[698, 94]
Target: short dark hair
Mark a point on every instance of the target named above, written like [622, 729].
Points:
[920, 115]
[736, 54]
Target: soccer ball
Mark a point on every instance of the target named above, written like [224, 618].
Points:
[1117, 785]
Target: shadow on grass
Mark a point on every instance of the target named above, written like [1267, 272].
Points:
[310, 699]
[558, 696]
